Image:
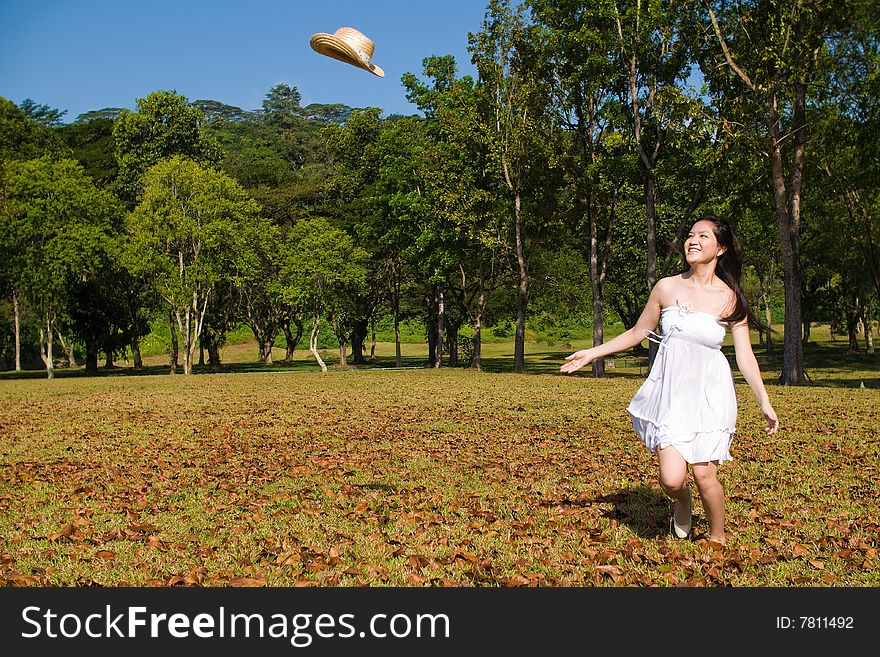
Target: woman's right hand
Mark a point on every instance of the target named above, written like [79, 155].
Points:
[770, 415]
[577, 360]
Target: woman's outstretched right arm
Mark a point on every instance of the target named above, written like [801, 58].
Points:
[647, 321]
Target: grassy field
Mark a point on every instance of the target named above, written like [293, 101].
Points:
[284, 476]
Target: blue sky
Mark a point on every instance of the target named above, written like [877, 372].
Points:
[91, 54]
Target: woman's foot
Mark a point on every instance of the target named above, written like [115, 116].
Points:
[681, 517]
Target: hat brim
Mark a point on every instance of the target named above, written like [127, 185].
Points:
[332, 46]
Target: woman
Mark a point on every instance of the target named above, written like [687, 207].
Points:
[686, 409]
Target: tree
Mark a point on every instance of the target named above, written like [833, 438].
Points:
[654, 56]
[186, 235]
[48, 116]
[164, 125]
[92, 144]
[21, 138]
[57, 230]
[281, 104]
[321, 270]
[470, 243]
[108, 113]
[517, 130]
[776, 58]
[577, 52]
[214, 111]
[377, 181]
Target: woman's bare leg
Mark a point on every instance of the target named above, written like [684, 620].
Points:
[712, 493]
[673, 481]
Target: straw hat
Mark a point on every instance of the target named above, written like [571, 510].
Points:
[349, 46]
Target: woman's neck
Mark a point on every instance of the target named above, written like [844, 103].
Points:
[702, 275]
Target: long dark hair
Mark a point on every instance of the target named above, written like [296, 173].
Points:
[729, 270]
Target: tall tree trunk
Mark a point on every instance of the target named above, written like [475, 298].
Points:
[68, 347]
[343, 347]
[651, 236]
[522, 291]
[865, 316]
[596, 286]
[291, 340]
[477, 356]
[398, 359]
[441, 313]
[452, 343]
[91, 356]
[46, 336]
[265, 342]
[184, 325]
[373, 341]
[431, 324]
[17, 313]
[650, 230]
[136, 353]
[313, 343]
[851, 329]
[175, 343]
[768, 317]
[214, 355]
[358, 338]
[787, 204]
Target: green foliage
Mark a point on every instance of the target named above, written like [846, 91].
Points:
[22, 137]
[191, 237]
[44, 114]
[534, 170]
[321, 267]
[60, 233]
[187, 228]
[217, 112]
[280, 157]
[93, 146]
[164, 125]
[108, 113]
[281, 103]
[335, 113]
[58, 225]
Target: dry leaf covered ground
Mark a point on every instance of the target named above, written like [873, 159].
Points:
[415, 478]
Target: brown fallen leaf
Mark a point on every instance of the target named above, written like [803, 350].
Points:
[247, 582]
[613, 571]
[415, 579]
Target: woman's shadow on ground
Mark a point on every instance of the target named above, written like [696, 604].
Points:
[644, 510]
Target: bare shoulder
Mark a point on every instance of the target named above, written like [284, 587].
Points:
[666, 290]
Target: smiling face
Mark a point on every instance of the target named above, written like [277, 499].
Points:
[701, 245]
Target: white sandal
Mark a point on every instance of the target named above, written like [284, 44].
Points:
[683, 531]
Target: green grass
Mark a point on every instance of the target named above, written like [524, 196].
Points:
[285, 476]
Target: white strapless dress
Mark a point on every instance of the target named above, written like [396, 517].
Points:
[688, 400]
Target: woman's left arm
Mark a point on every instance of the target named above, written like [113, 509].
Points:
[748, 365]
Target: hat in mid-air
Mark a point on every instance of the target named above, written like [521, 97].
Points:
[349, 46]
